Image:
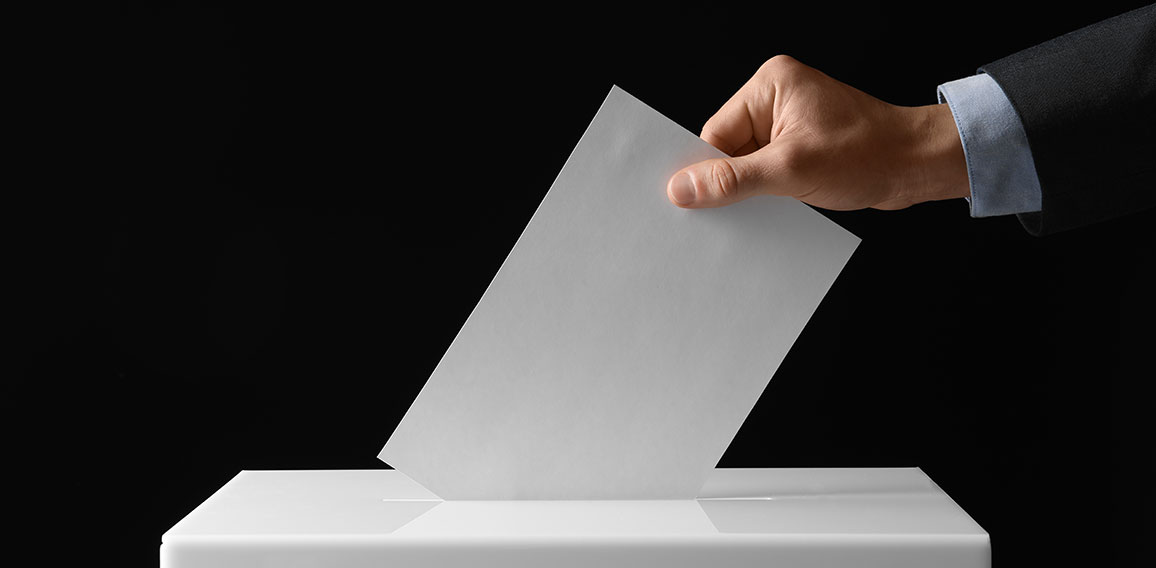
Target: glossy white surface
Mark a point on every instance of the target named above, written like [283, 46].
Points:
[744, 517]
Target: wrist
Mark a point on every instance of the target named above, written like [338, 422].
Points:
[937, 163]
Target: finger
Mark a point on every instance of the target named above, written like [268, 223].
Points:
[747, 148]
[744, 122]
[723, 181]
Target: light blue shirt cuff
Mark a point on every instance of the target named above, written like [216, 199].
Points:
[1000, 168]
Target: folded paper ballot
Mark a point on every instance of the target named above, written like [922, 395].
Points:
[624, 340]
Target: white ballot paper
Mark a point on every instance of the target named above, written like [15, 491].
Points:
[624, 340]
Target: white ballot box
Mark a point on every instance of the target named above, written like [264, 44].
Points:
[786, 518]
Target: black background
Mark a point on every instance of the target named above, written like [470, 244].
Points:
[251, 231]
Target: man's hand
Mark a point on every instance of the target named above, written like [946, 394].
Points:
[794, 131]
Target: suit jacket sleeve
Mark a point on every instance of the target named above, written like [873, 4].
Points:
[1087, 101]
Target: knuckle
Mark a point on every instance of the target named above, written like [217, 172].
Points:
[724, 178]
[779, 65]
[792, 158]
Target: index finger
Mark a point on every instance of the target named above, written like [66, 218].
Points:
[743, 124]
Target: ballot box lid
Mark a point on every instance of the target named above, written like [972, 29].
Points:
[386, 506]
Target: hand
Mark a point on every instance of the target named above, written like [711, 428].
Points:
[794, 131]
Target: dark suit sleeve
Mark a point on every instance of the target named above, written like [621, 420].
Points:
[1087, 101]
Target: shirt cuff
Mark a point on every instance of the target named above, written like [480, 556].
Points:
[1000, 168]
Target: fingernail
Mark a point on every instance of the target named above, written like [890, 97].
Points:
[682, 189]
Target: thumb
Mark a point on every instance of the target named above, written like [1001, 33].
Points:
[720, 181]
